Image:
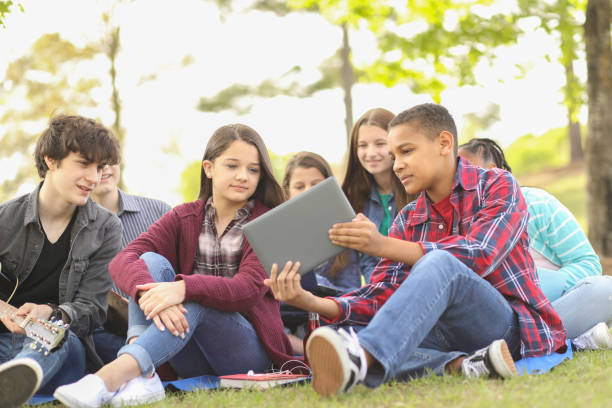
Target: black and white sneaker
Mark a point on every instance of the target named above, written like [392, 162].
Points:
[337, 360]
[494, 360]
[19, 380]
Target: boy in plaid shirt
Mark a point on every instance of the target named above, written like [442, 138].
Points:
[455, 290]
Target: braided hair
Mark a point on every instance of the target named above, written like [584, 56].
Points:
[488, 150]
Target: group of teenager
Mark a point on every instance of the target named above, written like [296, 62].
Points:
[450, 267]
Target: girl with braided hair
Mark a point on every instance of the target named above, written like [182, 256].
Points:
[568, 268]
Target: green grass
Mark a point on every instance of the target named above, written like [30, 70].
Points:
[585, 381]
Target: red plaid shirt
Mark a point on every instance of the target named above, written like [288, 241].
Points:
[489, 235]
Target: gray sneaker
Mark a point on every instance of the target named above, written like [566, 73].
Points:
[494, 360]
[596, 338]
[19, 380]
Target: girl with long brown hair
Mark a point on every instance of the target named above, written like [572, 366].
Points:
[370, 184]
[197, 294]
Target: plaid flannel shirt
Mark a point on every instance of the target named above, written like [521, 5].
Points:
[220, 255]
[489, 235]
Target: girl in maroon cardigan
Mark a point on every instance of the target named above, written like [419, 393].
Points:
[196, 287]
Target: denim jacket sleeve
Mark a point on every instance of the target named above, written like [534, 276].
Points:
[85, 301]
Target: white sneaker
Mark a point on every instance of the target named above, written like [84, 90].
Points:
[19, 380]
[596, 338]
[337, 360]
[494, 360]
[140, 390]
[89, 392]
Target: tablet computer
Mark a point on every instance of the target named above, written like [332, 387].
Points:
[297, 230]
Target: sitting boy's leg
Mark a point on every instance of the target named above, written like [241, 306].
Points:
[19, 380]
[107, 344]
[444, 302]
[63, 366]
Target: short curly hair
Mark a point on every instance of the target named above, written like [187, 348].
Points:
[72, 133]
[429, 118]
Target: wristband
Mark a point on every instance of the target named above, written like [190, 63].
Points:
[56, 313]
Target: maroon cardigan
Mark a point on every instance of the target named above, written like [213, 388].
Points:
[175, 237]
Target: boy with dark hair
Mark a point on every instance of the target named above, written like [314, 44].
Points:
[55, 246]
[455, 290]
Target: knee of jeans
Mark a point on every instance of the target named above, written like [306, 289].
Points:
[597, 287]
[159, 267]
[435, 261]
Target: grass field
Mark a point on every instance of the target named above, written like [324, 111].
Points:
[585, 381]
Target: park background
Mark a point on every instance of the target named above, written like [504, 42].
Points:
[164, 75]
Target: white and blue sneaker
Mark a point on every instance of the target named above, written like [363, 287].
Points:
[337, 360]
[494, 360]
[596, 338]
[19, 380]
[139, 390]
[89, 392]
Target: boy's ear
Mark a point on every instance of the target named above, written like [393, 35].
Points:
[51, 164]
[207, 166]
[446, 142]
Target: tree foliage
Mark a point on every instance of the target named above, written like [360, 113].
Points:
[434, 44]
[42, 82]
[562, 19]
[5, 8]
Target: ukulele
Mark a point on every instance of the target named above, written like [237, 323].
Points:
[48, 336]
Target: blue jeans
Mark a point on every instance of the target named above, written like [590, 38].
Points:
[218, 342]
[442, 311]
[107, 344]
[63, 366]
[585, 305]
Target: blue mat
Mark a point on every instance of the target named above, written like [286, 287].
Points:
[203, 382]
[543, 364]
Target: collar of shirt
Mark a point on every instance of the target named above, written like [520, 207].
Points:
[466, 177]
[242, 214]
[127, 203]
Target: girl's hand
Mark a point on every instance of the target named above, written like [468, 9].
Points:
[32, 311]
[173, 319]
[159, 296]
[286, 285]
[360, 234]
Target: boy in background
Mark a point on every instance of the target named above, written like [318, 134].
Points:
[55, 245]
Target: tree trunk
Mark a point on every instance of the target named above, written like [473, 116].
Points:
[348, 79]
[599, 136]
[575, 139]
[112, 51]
[573, 128]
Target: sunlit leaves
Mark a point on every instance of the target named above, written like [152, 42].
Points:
[48, 79]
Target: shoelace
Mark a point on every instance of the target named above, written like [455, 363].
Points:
[351, 341]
